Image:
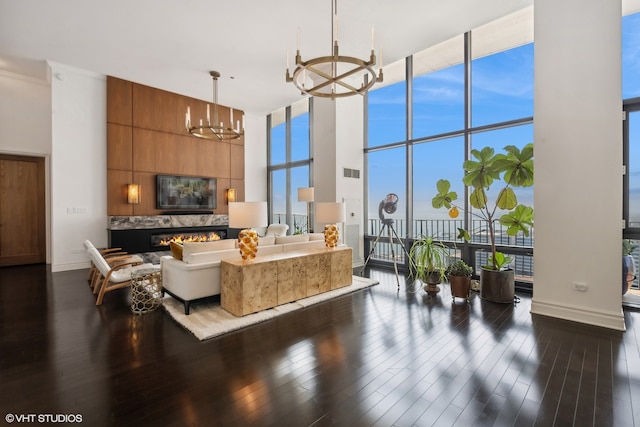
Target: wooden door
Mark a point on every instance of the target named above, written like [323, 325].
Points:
[22, 210]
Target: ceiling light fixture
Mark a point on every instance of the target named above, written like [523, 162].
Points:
[335, 76]
[211, 130]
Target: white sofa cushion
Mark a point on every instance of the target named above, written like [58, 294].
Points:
[266, 241]
[189, 248]
[277, 230]
[209, 257]
[296, 238]
[299, 246]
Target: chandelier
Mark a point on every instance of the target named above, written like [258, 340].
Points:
[334, 76]
[211, 129]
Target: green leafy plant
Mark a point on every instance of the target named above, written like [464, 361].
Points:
[627, 247]
[514, 169]
[427, 256]
[298, 228]
[459, 268]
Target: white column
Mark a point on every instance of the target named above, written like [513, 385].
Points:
[578, 161]
[338, 128]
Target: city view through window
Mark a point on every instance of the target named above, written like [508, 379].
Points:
[430, 145]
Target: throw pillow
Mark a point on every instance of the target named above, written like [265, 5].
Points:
[176, 250]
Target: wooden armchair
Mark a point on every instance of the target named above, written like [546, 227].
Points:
[114, 274]
[107, 254]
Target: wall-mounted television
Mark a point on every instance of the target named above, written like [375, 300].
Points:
[185, 192]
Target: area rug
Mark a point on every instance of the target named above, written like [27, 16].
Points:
[208, 320]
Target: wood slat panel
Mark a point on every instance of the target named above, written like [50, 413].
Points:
[159, 143]
[237, 162]
[117, 181]
[119, 147]
[119, 101]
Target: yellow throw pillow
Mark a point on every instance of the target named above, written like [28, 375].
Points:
[176, 250]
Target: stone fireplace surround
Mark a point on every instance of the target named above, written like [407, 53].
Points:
[134, 234]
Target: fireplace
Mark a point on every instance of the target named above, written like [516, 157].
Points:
[156, 239]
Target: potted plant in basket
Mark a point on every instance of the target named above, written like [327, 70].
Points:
[459, 276]
[428, 262]
[515, 169]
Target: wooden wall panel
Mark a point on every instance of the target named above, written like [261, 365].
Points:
[119, 101]
[238, 184]
[222, 207]
[158, 144]
[147, 182]
[119, 140]
[237, 162]
[117, 181]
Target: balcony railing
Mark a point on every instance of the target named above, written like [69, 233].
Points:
[299, 222]
[520, 248]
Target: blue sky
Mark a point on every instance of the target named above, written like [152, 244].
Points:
[502, 90]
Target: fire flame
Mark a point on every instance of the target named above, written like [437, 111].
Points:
[190, 238]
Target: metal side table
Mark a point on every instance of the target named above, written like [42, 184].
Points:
[146, 290]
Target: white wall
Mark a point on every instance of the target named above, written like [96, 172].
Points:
[25, 124]
[324, 151]
[578, 161]
[338, 128]
[78, 165]
[255, 158]
[350, 154]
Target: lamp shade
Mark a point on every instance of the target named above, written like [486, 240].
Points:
[133, 193]
[330, 212]
[305, 194]
[248, 214]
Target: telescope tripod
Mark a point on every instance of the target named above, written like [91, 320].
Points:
[391, 234]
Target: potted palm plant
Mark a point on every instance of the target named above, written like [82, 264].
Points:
[428, 262]
[515, 169]
[459, 275]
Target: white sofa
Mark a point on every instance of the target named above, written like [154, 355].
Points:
[197, 276]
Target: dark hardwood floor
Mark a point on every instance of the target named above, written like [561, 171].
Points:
[377, 357]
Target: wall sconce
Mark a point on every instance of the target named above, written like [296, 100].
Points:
[231, 195]
[133, 193]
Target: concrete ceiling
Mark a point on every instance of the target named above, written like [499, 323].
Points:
[173, 45]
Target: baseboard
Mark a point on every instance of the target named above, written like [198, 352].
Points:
[69, 266]
[580, 315]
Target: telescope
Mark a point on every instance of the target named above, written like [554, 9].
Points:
[389, 205]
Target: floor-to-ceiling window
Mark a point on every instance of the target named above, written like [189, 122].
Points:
[469, 92]
[631, 96]
[289, 164]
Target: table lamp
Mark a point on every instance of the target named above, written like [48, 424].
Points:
[248, 216]
[305, 194]
[330, 213]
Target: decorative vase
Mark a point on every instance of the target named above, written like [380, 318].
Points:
[460, 287]
[331, 235]
[497, 286]
[248, 244]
